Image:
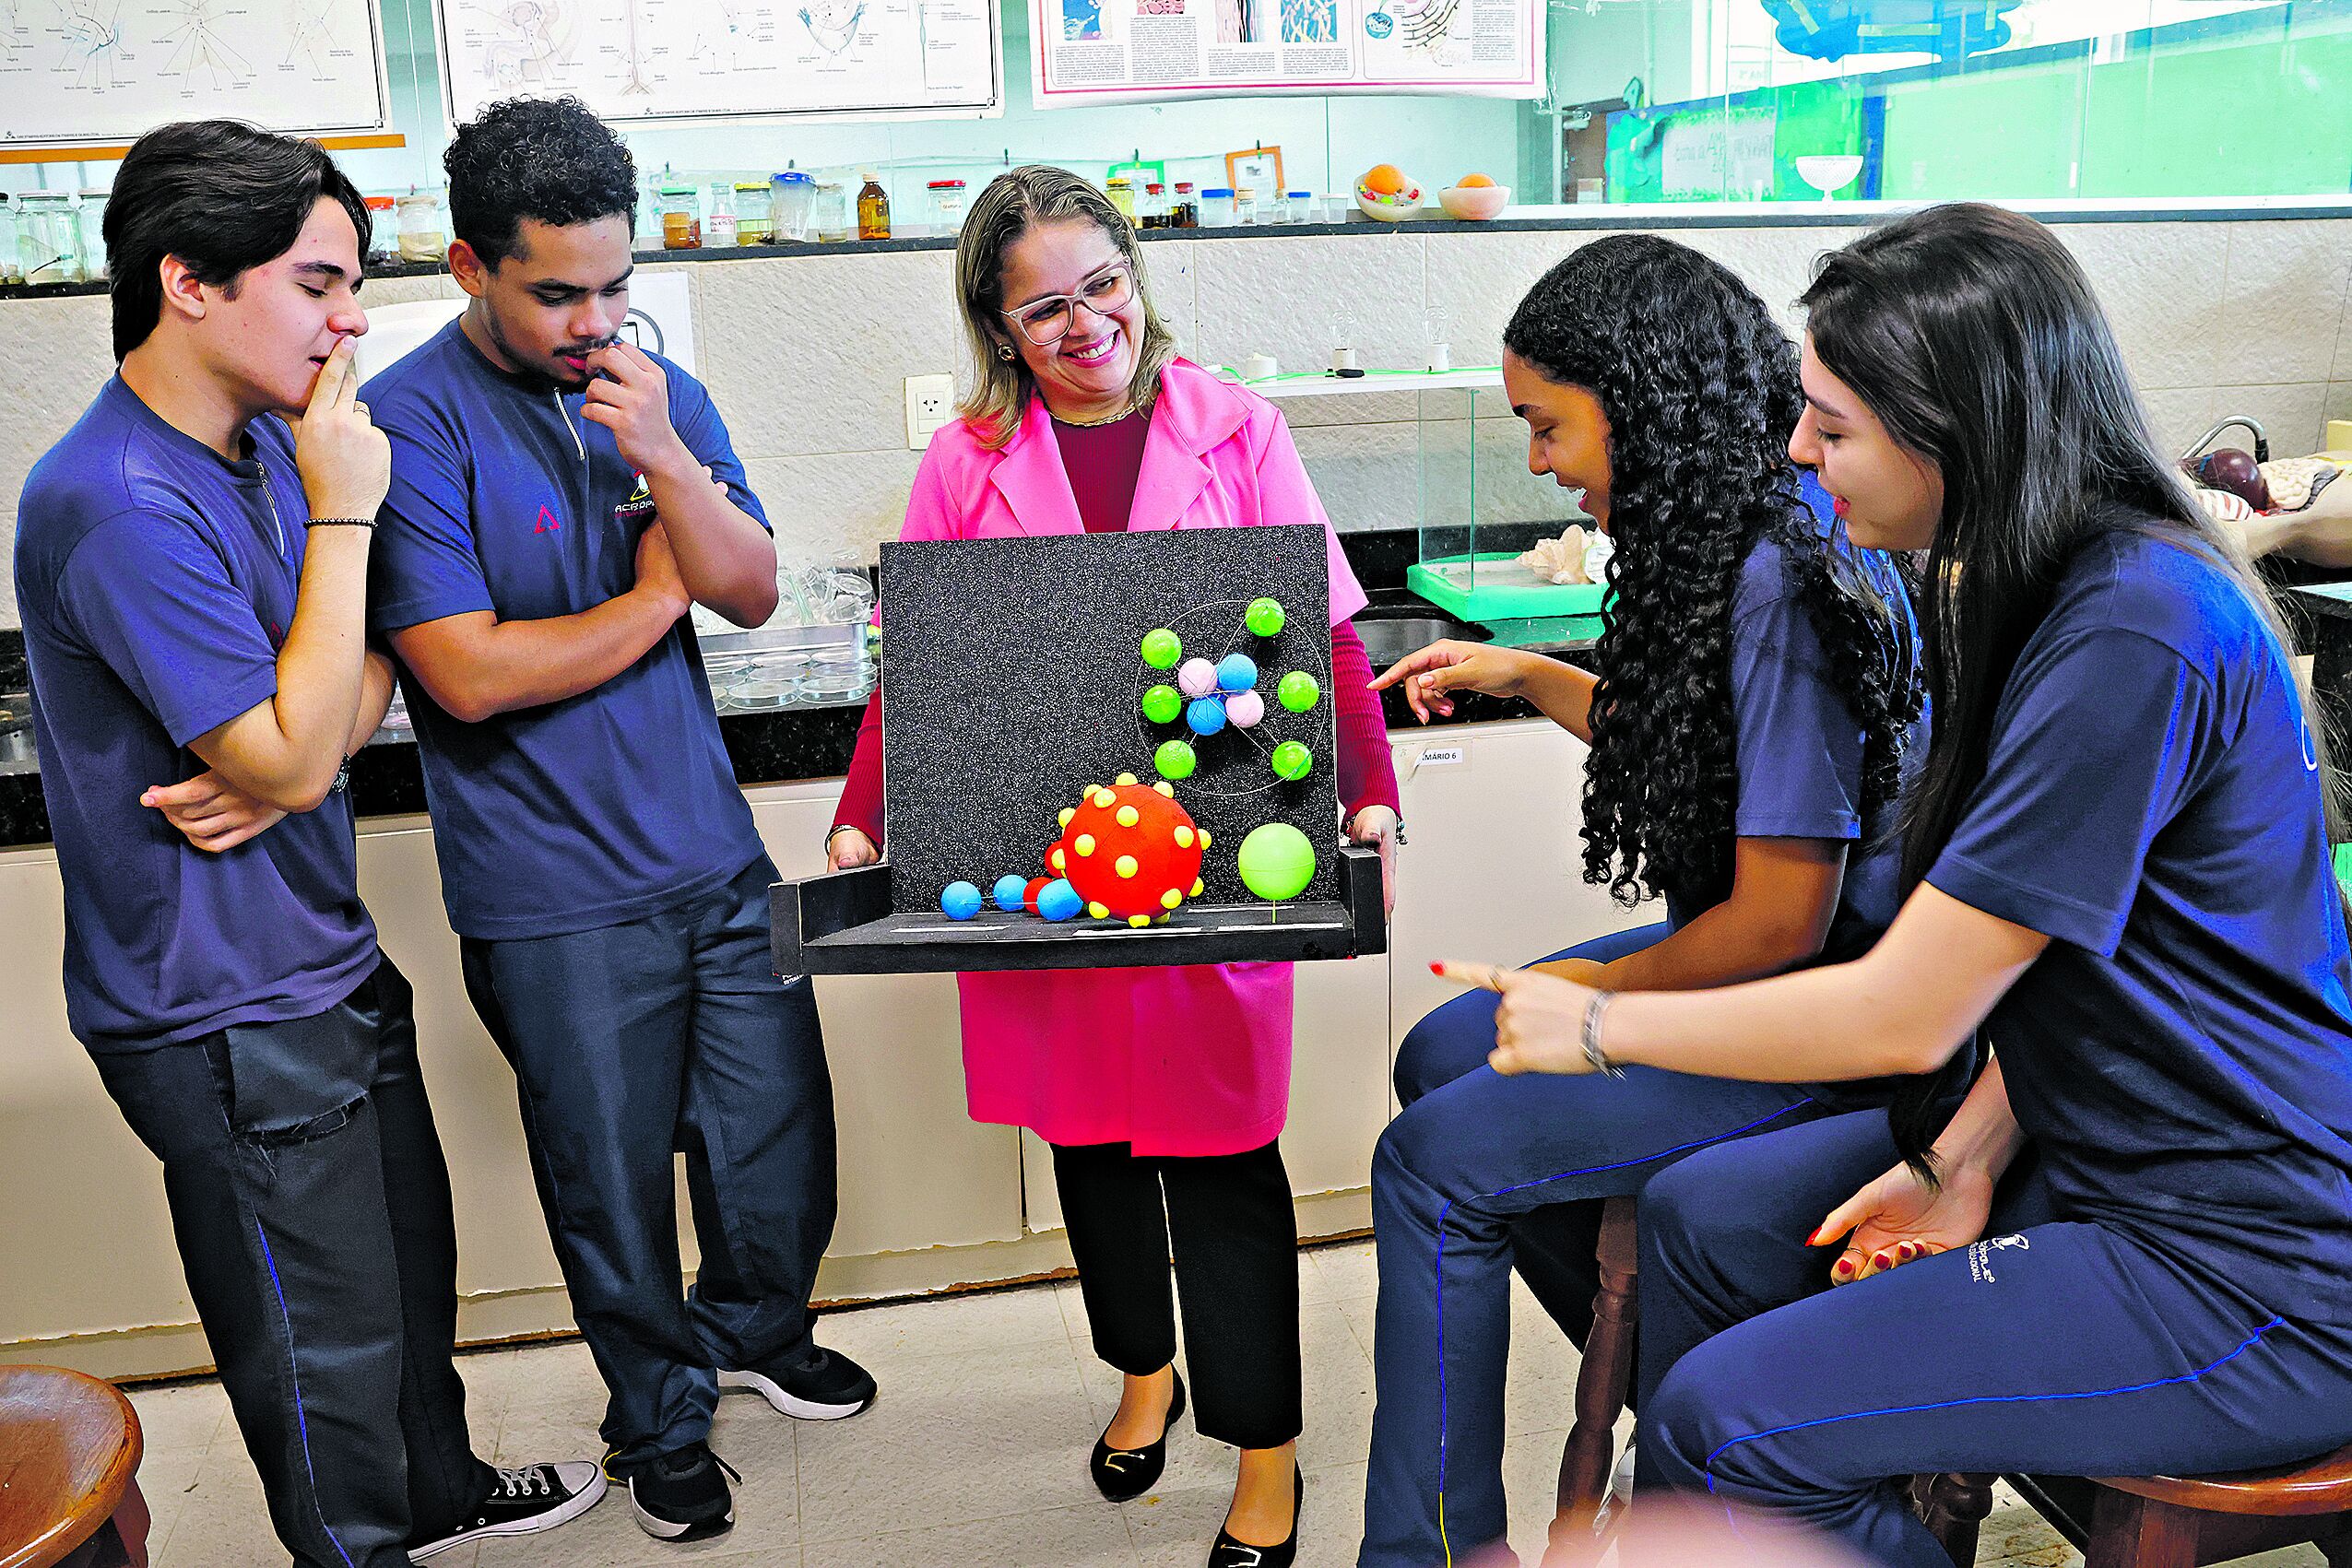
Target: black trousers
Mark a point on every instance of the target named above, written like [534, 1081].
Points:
[311, 1206]
[1235, 1243]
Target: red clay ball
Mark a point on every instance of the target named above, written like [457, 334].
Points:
[1135, 870]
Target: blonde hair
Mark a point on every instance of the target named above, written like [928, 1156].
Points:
[1014, 203]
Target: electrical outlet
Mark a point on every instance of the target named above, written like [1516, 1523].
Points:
[930, 403]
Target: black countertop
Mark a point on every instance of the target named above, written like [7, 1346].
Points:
[803, 742]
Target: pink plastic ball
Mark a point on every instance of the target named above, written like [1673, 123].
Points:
[1196, 678]
[1245, 709]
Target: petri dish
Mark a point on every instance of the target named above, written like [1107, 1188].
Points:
[761, 692]
[838, 686]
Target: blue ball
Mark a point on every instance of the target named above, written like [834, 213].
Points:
[1058, 900]
[1205, 714]
[1008, 890]
[1236, 672]
[959, 902]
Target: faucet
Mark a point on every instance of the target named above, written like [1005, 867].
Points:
[2262, 439]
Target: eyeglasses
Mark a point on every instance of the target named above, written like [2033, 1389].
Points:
[1046, 321]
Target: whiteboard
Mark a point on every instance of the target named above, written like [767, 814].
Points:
[662, 62]
[105, 71]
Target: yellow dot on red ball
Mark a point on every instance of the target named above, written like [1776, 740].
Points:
[1184, 836]
[1170, 899]
[1196, 889]
[1127, 816]
[1067, 813]
[1059, 862]
[1204, 838]
[1103, 799]
[1166, 788]
[1084, 843]
[1097, 911]
[1124, 779]
[1091, 791]
[1139, 920]
[1125, 866]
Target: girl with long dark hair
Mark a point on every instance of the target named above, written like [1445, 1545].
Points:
[1756, 691]
[2118, 879]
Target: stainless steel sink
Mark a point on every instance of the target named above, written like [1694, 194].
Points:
[1388, 639]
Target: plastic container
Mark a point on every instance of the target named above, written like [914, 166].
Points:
[682, 218]
[792, 201]
[1298, 206]
[1337, 204]
[424, 236]
[829, 218]
[1217, 208]
[948, 204]
[873, 208]
[49, 241]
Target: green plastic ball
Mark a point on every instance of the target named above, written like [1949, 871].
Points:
[1175, 758]
[1298, 691]
[1293, 761]
[1264, 618]
[1162, 648]
[1276, 862]
[1162, 705]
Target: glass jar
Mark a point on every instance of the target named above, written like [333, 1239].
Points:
[830, 213]
[93, 235]
[1184, 209]
[754, 223]
[423, 236]
[873, 208]
[718, 228]
[12, 269]
[792, 199]
[384, 228]
[948, 205]
[1153, 211]
[682, 218]
[1245, 205]
[49, 245]
[1121, 191]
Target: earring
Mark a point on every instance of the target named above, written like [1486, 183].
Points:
[1004, 351]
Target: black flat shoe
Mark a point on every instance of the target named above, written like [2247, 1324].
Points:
[1227, 1553]
[1121, 1474]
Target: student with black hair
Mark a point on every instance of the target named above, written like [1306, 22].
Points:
[2118, 878]
[558, 499]
[1755, 693]
[190, 567]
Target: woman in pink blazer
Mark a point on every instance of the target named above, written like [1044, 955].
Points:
[1163, 1092]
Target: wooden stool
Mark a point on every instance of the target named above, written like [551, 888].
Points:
[2176, 1521]
[1602, 1378]
[68, 1445]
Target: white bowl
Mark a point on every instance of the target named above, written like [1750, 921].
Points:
[1388, 209]
[1474, 204]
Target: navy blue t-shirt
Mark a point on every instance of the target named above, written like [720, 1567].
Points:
[1798, 743]
[603, 808]
[157, 580]
[2182, 1052]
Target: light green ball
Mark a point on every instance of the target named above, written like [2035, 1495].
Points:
[1162, 705]
[1276, 862]
[1298, 691]
[1175, 758]
[1293, 761]
[1264, 618]
[1162, 648]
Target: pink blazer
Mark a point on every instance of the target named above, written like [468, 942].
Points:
[1187, 1061]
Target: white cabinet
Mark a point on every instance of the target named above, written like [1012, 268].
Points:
[1494, 868]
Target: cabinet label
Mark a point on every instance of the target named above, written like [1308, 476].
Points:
[1441, 756]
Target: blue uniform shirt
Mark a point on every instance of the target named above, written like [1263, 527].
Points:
[603, 808]
[2181, 1054]
[157, 580]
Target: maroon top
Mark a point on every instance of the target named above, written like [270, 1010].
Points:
[1102, 462]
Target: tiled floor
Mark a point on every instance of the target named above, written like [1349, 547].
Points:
[974, 1456]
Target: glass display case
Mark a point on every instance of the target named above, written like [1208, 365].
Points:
[1482, 513]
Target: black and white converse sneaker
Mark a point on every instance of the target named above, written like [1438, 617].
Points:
[824, 1387]
[524, 1501]
[680, 1496]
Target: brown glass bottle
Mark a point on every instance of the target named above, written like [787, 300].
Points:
[873, 209]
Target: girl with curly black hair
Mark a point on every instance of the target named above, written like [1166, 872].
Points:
[1756, 693]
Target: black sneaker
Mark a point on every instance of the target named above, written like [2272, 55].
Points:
[825, 1387]
[524, 1501]
[680, 1496]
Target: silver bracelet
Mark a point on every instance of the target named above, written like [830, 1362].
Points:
[1592, 1051]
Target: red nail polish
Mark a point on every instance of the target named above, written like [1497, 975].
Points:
[1845, 1266]
[1437, 969]
[1880, 1260]
[1814, 1240]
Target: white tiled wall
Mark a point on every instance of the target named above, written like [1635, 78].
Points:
[804, 355]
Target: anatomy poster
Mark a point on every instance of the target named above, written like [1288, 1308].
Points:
[638, 62]
[1124, 51]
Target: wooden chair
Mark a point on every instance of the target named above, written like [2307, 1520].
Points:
[1601, 1381]
[2165, 1521]
[68, 1445]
